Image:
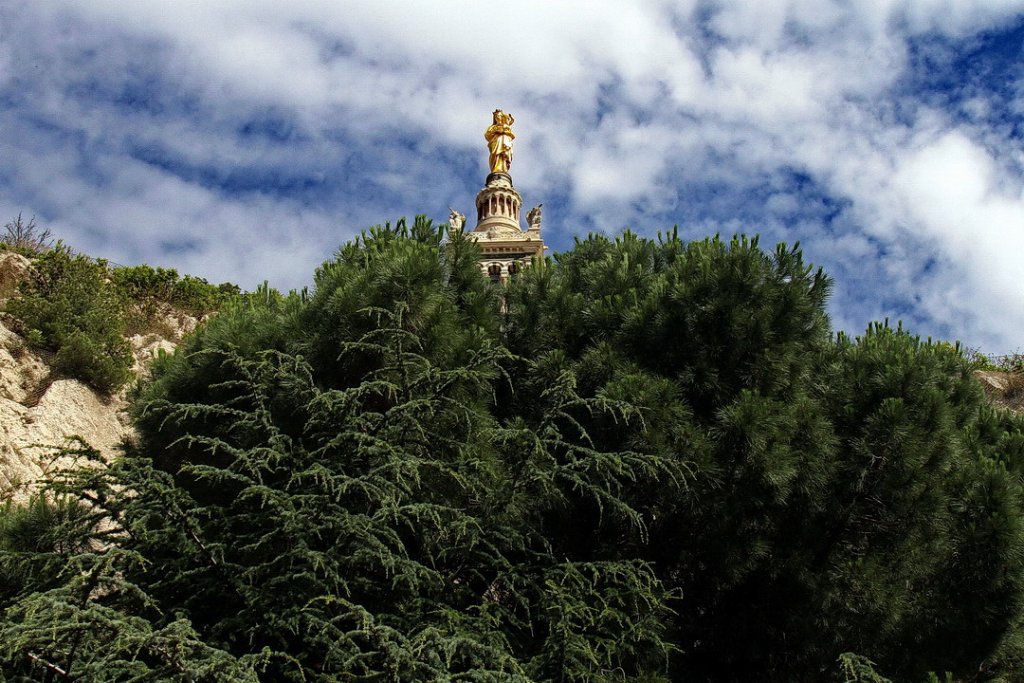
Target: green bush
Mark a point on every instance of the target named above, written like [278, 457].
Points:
[150, 294]
[140, 282]
[86, 357]
[80, 310]
[145, 286]
[196, 295]
[67, 308]
[35, 536]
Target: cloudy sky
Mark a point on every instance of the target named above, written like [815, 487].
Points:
[245, 141]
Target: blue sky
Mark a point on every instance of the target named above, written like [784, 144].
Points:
[245, 141]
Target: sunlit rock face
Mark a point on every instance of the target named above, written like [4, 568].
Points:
[1003, 388]
[40, 412]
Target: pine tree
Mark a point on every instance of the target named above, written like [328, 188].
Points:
[832, 503]
[649, 461]
[321, 489]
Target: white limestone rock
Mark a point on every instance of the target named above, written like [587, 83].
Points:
[21, 371]
[38, 416]
[13, 269]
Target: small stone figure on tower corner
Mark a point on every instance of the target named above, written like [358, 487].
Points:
[499, 138]
[455, 220]
[533, 218]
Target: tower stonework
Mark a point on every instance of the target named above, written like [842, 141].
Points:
[505, 248]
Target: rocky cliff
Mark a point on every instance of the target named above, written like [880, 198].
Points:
[1005, 389]
[40, 412]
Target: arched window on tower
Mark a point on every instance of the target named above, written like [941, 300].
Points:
[513, 269]
[494, 272]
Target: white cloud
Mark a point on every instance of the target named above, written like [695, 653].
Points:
[621, 107]
[955, 17]
[950, 188]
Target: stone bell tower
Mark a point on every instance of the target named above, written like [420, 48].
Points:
[505, 248]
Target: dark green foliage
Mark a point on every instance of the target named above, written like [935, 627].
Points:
[917, 507]
[322, 491]
[649, 461]
[143, 286]
[35, 540]
[66, 603]
[80, 310]
[857, 669]
[67, 308]
[149, 295]
[835, 502]
[714, 341]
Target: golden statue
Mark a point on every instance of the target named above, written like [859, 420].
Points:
[499, 141]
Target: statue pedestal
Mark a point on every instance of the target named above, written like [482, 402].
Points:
[499, 180]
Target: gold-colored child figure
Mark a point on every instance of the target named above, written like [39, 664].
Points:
[499, 138]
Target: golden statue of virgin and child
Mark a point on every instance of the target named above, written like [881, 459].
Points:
[499, 141]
